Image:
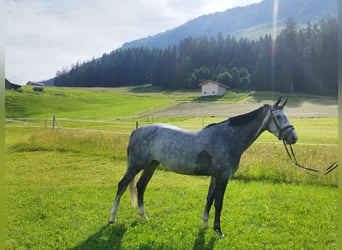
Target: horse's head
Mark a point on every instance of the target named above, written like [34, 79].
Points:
[279, 124]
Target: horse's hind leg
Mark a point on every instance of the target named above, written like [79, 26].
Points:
[141, 186]
[128, 177]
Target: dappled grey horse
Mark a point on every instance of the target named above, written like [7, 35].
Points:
[213, 151]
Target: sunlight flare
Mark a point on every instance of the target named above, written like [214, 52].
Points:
[274, 38]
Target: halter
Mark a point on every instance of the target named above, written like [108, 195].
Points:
[281, 130]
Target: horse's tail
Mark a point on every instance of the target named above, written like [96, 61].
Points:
[133, 192]
[132, 184]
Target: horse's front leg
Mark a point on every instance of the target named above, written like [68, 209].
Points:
[221, 184]
[210, 199]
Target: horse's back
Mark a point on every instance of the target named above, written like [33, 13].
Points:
[177, 149]
[159, 135]
[159, 130]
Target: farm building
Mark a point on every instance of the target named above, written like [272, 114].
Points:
[212, 88]
[37, 86]
[10, 85]
[29, 83]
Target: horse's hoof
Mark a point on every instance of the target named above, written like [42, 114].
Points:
[220, 234]
[110, 222]
[205, 225]
[144, 216]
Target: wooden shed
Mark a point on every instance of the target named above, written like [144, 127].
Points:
[212, 88]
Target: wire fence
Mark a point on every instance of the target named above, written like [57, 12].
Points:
[115, 126]
[124, 126]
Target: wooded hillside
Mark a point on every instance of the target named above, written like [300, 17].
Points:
[300, 60]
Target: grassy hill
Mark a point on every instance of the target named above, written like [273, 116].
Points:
[126, 102]
[78, 103]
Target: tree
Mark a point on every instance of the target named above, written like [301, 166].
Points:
[225, 78]
[244, 83]
[287, 53]
[262, 77]
[328, 56]
[235, 76]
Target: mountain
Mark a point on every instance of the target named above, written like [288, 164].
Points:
[250, 21]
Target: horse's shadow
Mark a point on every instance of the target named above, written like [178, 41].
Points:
[110, 237]
[200, 242]
[107, 237]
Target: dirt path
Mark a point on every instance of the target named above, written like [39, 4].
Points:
[188, 109]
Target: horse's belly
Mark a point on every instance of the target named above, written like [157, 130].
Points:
[193, 164]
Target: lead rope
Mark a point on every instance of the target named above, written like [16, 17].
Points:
[293, 158]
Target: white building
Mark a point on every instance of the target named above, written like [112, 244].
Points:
[212, 88]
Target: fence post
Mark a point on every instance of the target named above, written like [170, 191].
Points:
[53, 122]
[46, 120]
[136, 124]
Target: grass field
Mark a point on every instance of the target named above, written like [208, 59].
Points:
[61, 184]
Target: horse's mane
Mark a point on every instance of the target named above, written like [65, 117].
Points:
[216, 123]
[240, 119]
[244, 118]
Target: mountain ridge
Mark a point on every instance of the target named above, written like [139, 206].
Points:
[240, 21]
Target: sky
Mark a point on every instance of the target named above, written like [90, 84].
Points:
[46, 36]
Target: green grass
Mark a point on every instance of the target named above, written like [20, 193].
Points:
[60, 185]
[64, 201]
[78, 104]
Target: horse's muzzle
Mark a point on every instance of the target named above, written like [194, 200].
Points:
[291, 137]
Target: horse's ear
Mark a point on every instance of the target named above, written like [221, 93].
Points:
[277, 102]
[284, 103]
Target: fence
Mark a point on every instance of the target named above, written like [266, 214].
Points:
[69, 123]
[121, 126]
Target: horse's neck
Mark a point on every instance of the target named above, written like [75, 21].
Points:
[250, 132]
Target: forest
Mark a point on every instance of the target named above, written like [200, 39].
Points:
[300, 59]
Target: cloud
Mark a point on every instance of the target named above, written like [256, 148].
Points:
[45, 36]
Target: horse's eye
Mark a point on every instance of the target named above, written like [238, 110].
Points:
[278, 117]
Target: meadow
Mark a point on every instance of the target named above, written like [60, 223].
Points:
[60, 184]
